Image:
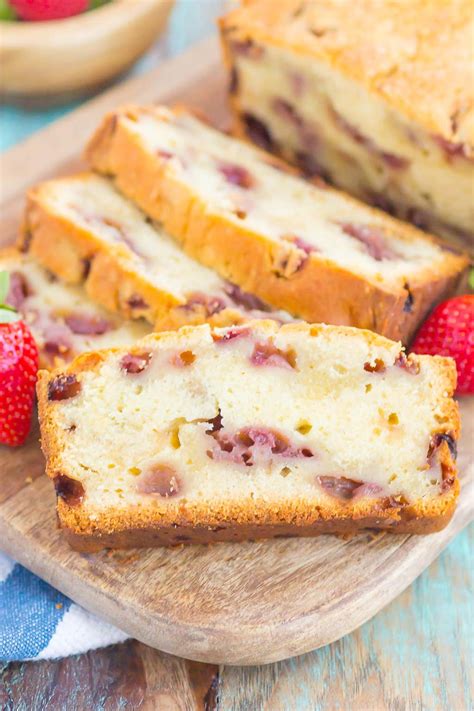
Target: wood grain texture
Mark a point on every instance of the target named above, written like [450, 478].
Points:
[414, 656]
[87, 51]
[232, 603]
[125, 676]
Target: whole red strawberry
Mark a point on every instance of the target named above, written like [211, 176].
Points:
[40, 10]
[18, 370]
[449, 331]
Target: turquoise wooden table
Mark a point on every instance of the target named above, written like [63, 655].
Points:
[416, 655]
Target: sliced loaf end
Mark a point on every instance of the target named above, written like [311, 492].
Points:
[251, 431]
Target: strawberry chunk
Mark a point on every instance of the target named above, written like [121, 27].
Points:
[160, 481]
[347, 489]
[251, 445]
[242, 298]
[267, 353]
[237, 175]
[18, 291]
[135, 363]
[70, 490]
[372, 238]
[87, 325]
[63, 387]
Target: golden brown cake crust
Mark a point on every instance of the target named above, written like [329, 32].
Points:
[233, 521]
[51, 358]
[401, 522]
[417, 56]
[75, 255]
[230, 248]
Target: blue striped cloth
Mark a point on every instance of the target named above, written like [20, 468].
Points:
[38, 622]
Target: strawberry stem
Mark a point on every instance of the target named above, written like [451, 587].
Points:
[4, 286]
[7, 313]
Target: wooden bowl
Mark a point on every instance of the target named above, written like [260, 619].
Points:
[64, 58]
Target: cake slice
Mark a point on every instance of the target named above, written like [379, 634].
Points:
[301, 247]
[378, 97]
[84, 231]
[251, 431]
[63, 321]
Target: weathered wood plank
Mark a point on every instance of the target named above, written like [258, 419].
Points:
[129, 675]
[416, 655]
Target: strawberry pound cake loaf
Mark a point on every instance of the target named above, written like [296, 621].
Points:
[63, 321]
[81, 229]
[301, 247]
[375, 96]
[252, 431]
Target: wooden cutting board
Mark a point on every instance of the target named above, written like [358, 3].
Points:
[246, 603]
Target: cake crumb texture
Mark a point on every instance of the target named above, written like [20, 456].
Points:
[418, 56]
[250, 431]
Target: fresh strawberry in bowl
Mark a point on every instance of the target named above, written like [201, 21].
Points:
[41, 10]
[449, 331]
[18, 372]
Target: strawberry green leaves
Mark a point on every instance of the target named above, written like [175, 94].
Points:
[7, 313]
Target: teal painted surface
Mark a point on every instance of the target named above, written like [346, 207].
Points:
[17, 123]
[415, 655]
[405, 648]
